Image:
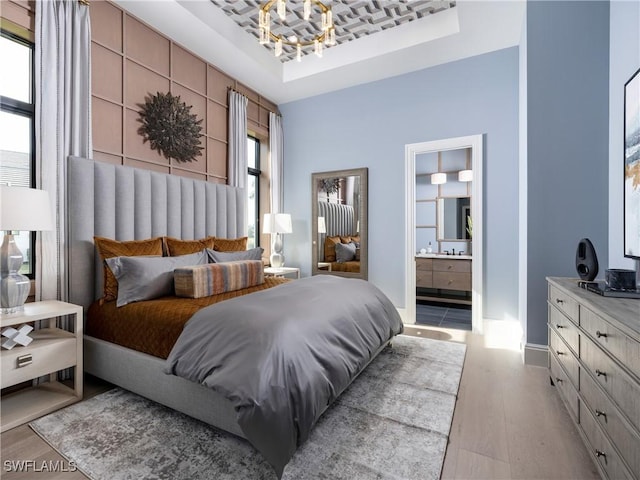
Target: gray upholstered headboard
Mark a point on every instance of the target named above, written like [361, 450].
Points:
[339, 220]
[127, 203]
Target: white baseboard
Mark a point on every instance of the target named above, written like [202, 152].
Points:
[536, 355]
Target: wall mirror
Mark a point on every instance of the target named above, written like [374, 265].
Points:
[453, 218]
[339, 223]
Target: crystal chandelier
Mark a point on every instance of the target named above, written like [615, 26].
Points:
[327, 35]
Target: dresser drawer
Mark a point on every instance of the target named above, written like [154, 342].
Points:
[565, 387]
[444, 265]
[625, 349]
[623, 390]
[424, 264]
[609, 418]
[564, 356]
[424, 279]
[565, 328]
[452, 280]
[564, 302]
[51, 350]
[601, 449]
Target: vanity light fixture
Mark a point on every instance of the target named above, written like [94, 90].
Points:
[438, 178]
[465, 175]
[327, 35]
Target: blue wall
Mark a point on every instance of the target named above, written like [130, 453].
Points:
[567, 137]
[369, 125]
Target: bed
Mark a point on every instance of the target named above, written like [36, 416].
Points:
[341, 229]
[124, 203]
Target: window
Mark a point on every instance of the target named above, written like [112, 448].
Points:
[17, 138]
[253, 192]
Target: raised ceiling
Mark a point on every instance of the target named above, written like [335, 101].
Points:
[434, 35]
[352, 19]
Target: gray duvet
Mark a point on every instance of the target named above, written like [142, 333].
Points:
[282, 355]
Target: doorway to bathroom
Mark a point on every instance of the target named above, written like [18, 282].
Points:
[444, 233]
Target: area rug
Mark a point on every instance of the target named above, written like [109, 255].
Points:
[393, 422]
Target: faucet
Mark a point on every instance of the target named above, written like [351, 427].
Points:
[447, 252]
[460, 252]
[454, 251]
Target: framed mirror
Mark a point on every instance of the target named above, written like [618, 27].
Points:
[339, 237]
[453, 218]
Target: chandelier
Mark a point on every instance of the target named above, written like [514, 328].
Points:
[327, 35]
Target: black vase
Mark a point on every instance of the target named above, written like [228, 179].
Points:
[586, 260]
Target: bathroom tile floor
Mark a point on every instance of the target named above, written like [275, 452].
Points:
[450, 316]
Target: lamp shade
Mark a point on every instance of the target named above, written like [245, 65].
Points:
[438, 178]
[465, 175]
[322, 227]
[24, 209]
[277, 223]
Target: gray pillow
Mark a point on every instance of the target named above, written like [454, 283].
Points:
[219, 257]
[148, 277]
[345, 252]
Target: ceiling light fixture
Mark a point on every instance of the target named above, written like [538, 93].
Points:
[326, 37]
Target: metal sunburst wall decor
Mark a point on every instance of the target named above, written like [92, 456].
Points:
[170, 127]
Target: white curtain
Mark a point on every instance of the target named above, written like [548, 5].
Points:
[276, 149]
[63, 123]
[237, 164]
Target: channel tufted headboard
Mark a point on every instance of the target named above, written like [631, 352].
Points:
[127, 203]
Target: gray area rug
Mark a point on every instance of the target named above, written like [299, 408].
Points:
[393, 422]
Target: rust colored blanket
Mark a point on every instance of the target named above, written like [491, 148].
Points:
[153, 326]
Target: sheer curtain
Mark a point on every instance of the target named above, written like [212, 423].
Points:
[63, 123]
[237, 161]
[276, 146]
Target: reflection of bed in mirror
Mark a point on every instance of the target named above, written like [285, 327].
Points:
[339, 245]
[339, 231]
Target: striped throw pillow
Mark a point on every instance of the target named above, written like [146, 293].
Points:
[215, 278]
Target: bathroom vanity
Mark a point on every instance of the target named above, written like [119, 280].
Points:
[443, 278]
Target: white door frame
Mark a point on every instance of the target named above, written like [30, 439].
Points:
[475, 143]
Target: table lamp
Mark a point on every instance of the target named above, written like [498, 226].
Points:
[277, 224]
[322, 226]
[21, 209]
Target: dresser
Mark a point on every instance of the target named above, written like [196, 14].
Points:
[442, 277]
[594, 361]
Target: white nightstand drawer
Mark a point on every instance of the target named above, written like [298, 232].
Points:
[51, 350]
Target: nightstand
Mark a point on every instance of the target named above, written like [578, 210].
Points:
[324, 266]
[282, 271]
[51, 350]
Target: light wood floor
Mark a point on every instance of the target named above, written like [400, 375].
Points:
[508, 423]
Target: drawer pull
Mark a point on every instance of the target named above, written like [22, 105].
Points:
[601, 454]
[558, 352]
[600, 334]
[559, 326]
[558, 380]
[24, 360]
[600, 373]
[601, 414]
[449, 267]
[560, 301]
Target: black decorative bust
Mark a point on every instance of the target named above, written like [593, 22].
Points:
[586, 260]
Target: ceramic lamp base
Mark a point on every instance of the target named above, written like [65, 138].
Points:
[14, 287]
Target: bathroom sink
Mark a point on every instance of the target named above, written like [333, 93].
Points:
[444, 255]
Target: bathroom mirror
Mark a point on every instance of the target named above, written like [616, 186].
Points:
[453, 218]
[339, 223]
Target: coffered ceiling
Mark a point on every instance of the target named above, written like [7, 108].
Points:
[352, 19]
[375, 39]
